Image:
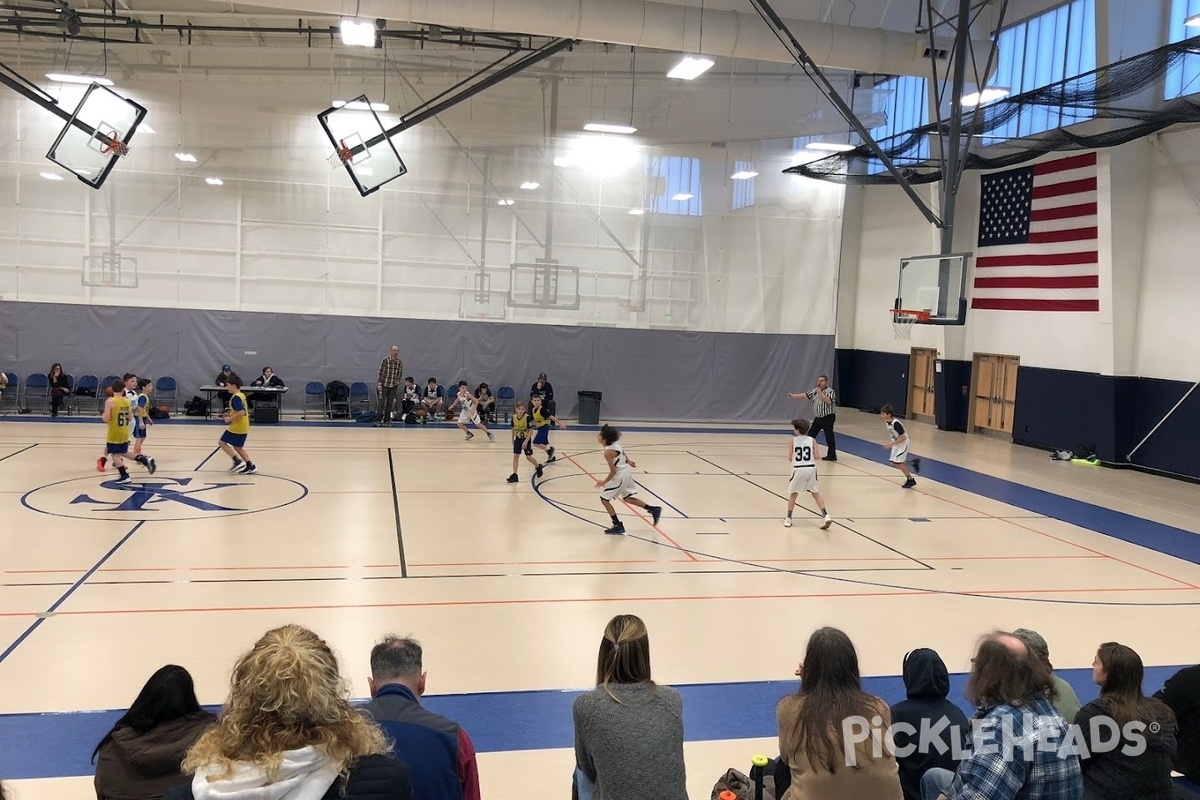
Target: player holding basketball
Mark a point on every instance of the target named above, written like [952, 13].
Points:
[542, 419]
[803, 453]
[521, 442]
[619, 483]
[469, 412]
[899, 446]
[118, 419]
[233, 441]
[141, 422]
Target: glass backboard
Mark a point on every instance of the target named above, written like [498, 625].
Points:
[99, 131]
[935, 285]
[362, 145]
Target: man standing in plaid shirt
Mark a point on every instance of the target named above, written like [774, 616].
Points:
[1021, 748]
[390, 370]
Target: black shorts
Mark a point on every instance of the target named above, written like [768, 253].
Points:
[522, 444]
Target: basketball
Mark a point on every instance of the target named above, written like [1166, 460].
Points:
[108, 391]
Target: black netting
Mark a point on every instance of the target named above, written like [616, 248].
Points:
[1104, 108]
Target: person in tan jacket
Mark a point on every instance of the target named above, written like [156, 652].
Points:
[142, 756]
[832, 734]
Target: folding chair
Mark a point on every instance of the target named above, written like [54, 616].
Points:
[360, 397]
[36, 394]
[87, 394]
[506, 401]
[12, 393]
[314, 399]
[166, 393]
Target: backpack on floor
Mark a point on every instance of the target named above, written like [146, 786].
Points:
[194, 407]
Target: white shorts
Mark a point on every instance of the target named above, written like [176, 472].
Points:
[804, 479]
[465, 417]
[618, 487]
[899, 453]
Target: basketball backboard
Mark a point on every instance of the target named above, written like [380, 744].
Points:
[934, 285]
[543, 284]
[361, 144]
[97, 135]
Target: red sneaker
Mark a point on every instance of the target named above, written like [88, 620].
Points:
[100, 464]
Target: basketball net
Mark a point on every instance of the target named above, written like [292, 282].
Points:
[113, 145]
[341, 156]
[903, 324]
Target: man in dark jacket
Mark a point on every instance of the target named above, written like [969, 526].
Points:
[938, 728]
[438, 751]
[1182, 694]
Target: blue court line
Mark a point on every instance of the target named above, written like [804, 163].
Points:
[60, 745]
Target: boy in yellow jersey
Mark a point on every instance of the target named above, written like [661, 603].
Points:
[541, 419]
[233, 441]
[118, 419]
[521, 441]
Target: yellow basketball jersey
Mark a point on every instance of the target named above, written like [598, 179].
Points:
[541, 417]
[520, 425]
[242, 423]
[120, 421]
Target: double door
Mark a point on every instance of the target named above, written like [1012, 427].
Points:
[994, 393]
[921, 393]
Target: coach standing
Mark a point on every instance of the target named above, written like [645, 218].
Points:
[825, 410]
[388, 383]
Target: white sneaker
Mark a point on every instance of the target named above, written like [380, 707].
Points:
[470, 436]
[828, 521]
[491, 437]
[237, 465]
[787, 522]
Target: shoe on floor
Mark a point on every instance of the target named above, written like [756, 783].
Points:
[470, 436]
[916, 465]
[101, 463]
[538, 472]
[655, 513]
[616, 530]
[513, 478]
[248, 469]
[828, 521]
[787, 522]
[237, 465]
[125, 479]
[830, 457]
[908, 484]
[491, 436]
[549, 455]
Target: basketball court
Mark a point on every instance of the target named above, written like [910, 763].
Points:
[357, 532]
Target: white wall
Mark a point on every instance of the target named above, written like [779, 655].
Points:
[286, 232]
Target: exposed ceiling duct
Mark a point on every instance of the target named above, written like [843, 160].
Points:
[657, 25]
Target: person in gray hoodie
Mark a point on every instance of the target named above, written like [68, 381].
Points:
[935, 728]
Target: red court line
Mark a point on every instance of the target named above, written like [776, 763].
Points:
[691, 556]
[574, 600]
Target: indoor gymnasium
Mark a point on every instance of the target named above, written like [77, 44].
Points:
[380, 380]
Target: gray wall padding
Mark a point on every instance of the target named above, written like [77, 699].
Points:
[644, 374]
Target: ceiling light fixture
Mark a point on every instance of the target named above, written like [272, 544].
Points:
[71, 77]
[50, 176]
[682, 197]
[214, 181]
[1193, 21]
[358, 105]
[505, 202]
[186, 158]
[605, 127]
[530, 185]
[358, 33]
[636, 212]
[691, 67]
[829, 147]
[985, 96]
[744, 175]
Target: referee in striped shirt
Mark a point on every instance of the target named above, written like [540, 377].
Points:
[825, 409]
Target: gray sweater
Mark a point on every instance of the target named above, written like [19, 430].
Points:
[632, 750]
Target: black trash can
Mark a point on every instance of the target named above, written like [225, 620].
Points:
[589, 408]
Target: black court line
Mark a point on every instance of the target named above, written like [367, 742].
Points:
[661, 499]
[839, 523]
[22, 450]
[396, 510]
[207, 458]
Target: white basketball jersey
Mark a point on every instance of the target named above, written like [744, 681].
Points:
[895, 429]
[620, 462]
[803, 452]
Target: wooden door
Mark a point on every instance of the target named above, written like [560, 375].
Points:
[994, 393]
[920, 382]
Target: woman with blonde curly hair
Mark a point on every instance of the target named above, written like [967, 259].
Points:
[288, 732]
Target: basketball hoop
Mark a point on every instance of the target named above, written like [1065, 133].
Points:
[903, 321]
[111, 144]
[341, 155]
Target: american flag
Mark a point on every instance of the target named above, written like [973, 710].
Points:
[1038, 238]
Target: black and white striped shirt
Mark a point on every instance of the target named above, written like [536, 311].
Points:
[820, 407]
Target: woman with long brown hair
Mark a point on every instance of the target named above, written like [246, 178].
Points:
[60, 388]
[813, 722]
[1136, 762]
[628, 730]
[288, 732]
